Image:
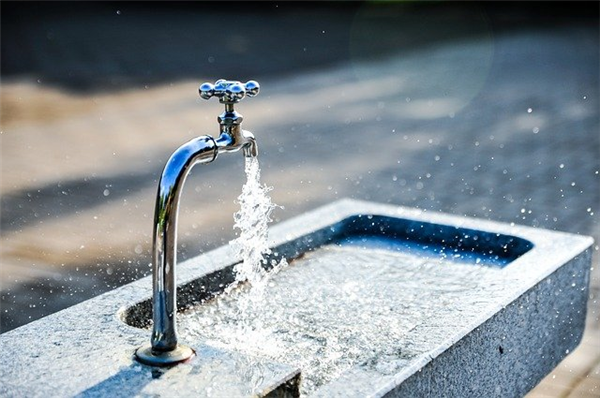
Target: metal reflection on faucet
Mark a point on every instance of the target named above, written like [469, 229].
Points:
[164, 350]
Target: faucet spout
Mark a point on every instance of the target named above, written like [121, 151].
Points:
[251, 147]
[164, 350]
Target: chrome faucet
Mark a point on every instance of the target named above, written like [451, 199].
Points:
[164, 350]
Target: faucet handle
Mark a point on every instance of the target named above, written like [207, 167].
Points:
[228, 91]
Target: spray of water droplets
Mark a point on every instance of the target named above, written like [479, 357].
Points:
[252, 219]
[240, 327]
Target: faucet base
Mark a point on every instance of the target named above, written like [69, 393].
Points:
[147, 356]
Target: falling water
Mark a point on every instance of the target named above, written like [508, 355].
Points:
[252, 244]
[252, 275]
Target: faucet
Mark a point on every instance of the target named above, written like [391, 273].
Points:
[163, 349]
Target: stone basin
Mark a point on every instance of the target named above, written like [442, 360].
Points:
[377, 300]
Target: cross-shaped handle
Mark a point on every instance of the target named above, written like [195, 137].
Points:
[228, 91]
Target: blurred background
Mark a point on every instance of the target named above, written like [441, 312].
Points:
[487, 110]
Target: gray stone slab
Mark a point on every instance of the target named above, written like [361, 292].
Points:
[502, 349]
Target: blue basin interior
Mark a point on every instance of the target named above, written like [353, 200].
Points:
[430, 240]
[446, 244]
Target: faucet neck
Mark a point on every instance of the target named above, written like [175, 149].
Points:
[231, 136]
[230, 116]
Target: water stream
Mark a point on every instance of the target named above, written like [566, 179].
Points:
[252, 219]
[252, 243]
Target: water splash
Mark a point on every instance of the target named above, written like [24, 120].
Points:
[342, 306]
[252, 273]
[252, 219]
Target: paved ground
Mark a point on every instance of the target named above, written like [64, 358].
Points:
[495, 123]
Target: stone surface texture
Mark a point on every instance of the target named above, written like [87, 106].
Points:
[87, 350]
